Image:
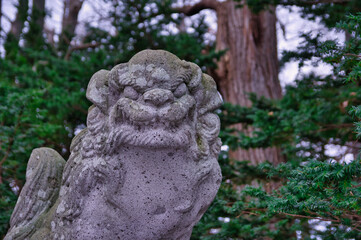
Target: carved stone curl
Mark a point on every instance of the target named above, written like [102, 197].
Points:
[144, 168]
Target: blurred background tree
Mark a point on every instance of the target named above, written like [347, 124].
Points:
[279, 179]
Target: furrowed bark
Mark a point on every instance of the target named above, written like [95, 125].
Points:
[249, 65]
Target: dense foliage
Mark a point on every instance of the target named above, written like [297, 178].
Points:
[42, 103]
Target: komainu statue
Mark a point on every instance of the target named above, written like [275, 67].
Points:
[144, 168]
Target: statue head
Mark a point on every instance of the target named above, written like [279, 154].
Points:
[155, 100]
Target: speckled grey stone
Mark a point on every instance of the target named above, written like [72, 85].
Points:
[144, 168]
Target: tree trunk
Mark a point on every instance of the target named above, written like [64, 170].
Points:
[1, 16]
[39, 11]
[34, 37]
[13, 36]
[249, 65]
[70, 20]
[18, 24]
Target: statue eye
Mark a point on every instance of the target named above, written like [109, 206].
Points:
[180, 91]
[129, 92]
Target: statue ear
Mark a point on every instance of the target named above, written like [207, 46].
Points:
[211, 97]
[193, 75]
[98, 90]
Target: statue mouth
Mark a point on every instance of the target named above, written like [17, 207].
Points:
[143, 124]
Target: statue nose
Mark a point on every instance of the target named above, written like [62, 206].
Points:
[158, 96]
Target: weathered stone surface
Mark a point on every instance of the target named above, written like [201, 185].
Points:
[144, 168]
[43, 180]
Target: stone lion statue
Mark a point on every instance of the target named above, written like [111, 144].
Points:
[144, 168]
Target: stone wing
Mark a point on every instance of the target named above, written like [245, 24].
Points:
[41, 190]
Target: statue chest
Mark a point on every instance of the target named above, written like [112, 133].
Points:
[156, 180]
[155, 190]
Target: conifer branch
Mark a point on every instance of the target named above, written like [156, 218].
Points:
[352, 55]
